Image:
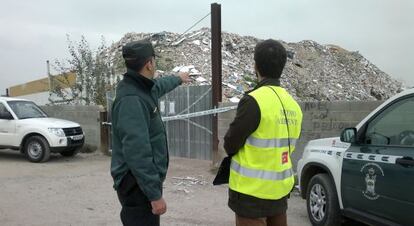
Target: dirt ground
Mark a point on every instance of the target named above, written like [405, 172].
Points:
[78, 191]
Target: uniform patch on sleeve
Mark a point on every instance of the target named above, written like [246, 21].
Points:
[285, 157]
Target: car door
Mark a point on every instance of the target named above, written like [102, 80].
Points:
[7, 128]
[378, 171]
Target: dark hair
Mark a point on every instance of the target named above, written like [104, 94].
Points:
[270, 58]
[136, 64]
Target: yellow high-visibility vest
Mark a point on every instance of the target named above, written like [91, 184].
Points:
[262, 167]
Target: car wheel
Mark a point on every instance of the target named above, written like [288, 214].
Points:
[37, 149]
[69, 153]
[322, 202]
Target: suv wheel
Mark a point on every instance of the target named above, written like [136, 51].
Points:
[69, 153]
[37, 149]
[322, 202]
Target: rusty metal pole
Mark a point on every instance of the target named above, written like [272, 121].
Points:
[216, 67]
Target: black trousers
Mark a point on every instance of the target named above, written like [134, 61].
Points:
[136, 208]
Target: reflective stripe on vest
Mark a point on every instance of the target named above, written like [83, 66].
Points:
[261, 174]
[270, 143]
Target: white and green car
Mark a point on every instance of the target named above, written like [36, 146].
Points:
[367, 174]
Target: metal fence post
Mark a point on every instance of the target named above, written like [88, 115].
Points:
[103, 119]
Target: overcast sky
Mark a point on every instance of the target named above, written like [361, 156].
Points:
[32, 32]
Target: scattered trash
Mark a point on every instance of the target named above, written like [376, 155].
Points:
[184, 190]
[183, 184]
[234, 100]
[188, 181]
[201, 79]
[197, 42]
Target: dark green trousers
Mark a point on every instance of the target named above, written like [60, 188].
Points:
[136, 208]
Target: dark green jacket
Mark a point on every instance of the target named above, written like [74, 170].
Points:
[139, 142]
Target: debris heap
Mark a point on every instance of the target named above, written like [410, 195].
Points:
[314, 72]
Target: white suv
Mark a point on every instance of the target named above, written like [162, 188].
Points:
[25, 127]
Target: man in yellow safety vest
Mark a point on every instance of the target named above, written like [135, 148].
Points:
[260, 140]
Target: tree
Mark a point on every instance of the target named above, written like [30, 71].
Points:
[95, 74]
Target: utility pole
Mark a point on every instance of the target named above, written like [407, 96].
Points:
[49, 76]
[216, 67]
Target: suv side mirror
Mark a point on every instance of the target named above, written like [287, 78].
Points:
[6, 115]
[348, 135]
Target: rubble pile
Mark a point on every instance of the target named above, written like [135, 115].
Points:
[313, 72]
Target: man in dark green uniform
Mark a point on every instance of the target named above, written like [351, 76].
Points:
[139, 149]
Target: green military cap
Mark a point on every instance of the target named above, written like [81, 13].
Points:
[138, 50]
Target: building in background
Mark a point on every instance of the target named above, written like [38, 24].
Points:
[39, 90]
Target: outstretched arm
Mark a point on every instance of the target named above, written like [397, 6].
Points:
[167, 84]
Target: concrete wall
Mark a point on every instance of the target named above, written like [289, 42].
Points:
[39, 98]
[320, 120]
[86, 116]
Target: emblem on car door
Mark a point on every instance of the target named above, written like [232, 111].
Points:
[372, 172]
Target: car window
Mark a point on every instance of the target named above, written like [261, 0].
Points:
[26, 109]
[2, 109]
[4, 113]
[394, 126]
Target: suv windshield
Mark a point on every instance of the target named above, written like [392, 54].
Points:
[26, 109]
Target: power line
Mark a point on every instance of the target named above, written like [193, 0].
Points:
[192, 26]
[208, 14]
